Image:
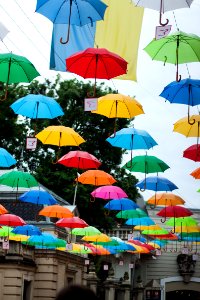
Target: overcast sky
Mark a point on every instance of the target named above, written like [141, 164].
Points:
[30, 36]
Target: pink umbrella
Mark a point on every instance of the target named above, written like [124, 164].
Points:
[109, 192]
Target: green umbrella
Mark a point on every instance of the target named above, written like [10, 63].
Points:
[182, 221]
[177, 48]
[15, 69]
[155, 232]
[89, 231]
[132, 213]
[6, 231]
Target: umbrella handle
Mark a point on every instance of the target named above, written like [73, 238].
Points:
[106, 212]
[92, 199]
[189, 122]
[163, 221]
[178, 77]
[152, 206]
[69, 24]
[160, 20]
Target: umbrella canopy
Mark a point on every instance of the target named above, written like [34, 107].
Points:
[132, 213]
[192, 152]
[60, 136]
[188, 229]
[176, 48]
[188, 129]
[6, 231]
[80, 160]
[196, 173]
[75, 12]
[96, 63]
[15, 69]
[155, 232]
[146, 164]
[147, 227]
[140, 221]
[79, 248]
[90, 230]
[16, 179]
[96, 177]
[109, 192]
[175, 212]
[6, 159]
[97, 238]
[45, 239]
[56, 211]
[11, 220]
[3, 210]
[166, 199]
[163, 6]
[121, 204]
[186, 91]
[38, 197]
[37, 107]
[74, 222]
[185, 221]
[156, 183]
[27, 230]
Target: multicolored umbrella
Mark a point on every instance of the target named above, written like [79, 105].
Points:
[108, 192]
[38, 197]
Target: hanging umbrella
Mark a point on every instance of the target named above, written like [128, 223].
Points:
[147, 227]
[96, 63]
[15, 69]
[166, 199]
[177, 48]
[71, 12]
[163, 6]
[196, 173]
[108, 192]
[90, 230]
[185, 221]
[38, 197]
[80, 160]
[6, 231]
[121, 204]
[56, 211]
[96, 177]
[79, 248]
[118, 106]
[96, 238]
[44, 240]
[132, 213]
[140, 221]
[37, 107]
[3, 210]
[27, 230]
[73, 222]
[6, 159]
[11, 220]
[156, 184]
[186, 91]
[192, 152]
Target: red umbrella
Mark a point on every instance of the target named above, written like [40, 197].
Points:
[96, 63]
[74, 222]
[11, 220]
[170, 236]
[109, 192]
[193, 152]
[80, 160]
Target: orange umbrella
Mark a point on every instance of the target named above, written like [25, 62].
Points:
[3, 210]
[56, 211]
[165, 199]
[96, 177]
[196, 173]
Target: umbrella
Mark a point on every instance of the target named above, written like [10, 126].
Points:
[185, 221]
[177, 48]
[11, 220]
[60, 136]
[15, 69]
[165, 199]
[147, 227]
[196, 173]
[38, 197]
[156, 184]
[37, 107]
[96, 177]
[186, 91]
[3, 210]
[118, 106]
[6, 159]
[56, 211]
[79, 248]
[132, 213]
[192, 152]
[90, 230]
[121, 204]
[73, 222]
[6, 231]
[96, 63]
[97, 238]
[27, 230]
[163, 6]
[80, 160]
[191, 129]
[71, 12]
[44, 240]
[109, 192]
[140, 221]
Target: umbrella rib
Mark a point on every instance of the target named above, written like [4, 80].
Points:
[26, 74]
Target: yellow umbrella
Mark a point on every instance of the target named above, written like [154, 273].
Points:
[145, 227]
[118, 106]
[60, 136]
[189, 129]
[187, 229]
[19, 238]
[97, 238]
[165, 199]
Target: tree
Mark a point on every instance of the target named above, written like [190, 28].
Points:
[93, 128]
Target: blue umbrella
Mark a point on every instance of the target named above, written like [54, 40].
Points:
[38, 197]
[141, 239]
[44, 240]
[6, 159]
[121, 204]
[37, 107]
[75, 12]
[27, 230]
[132, 139]
[156, 183]
[186, 91]
[146, 221]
